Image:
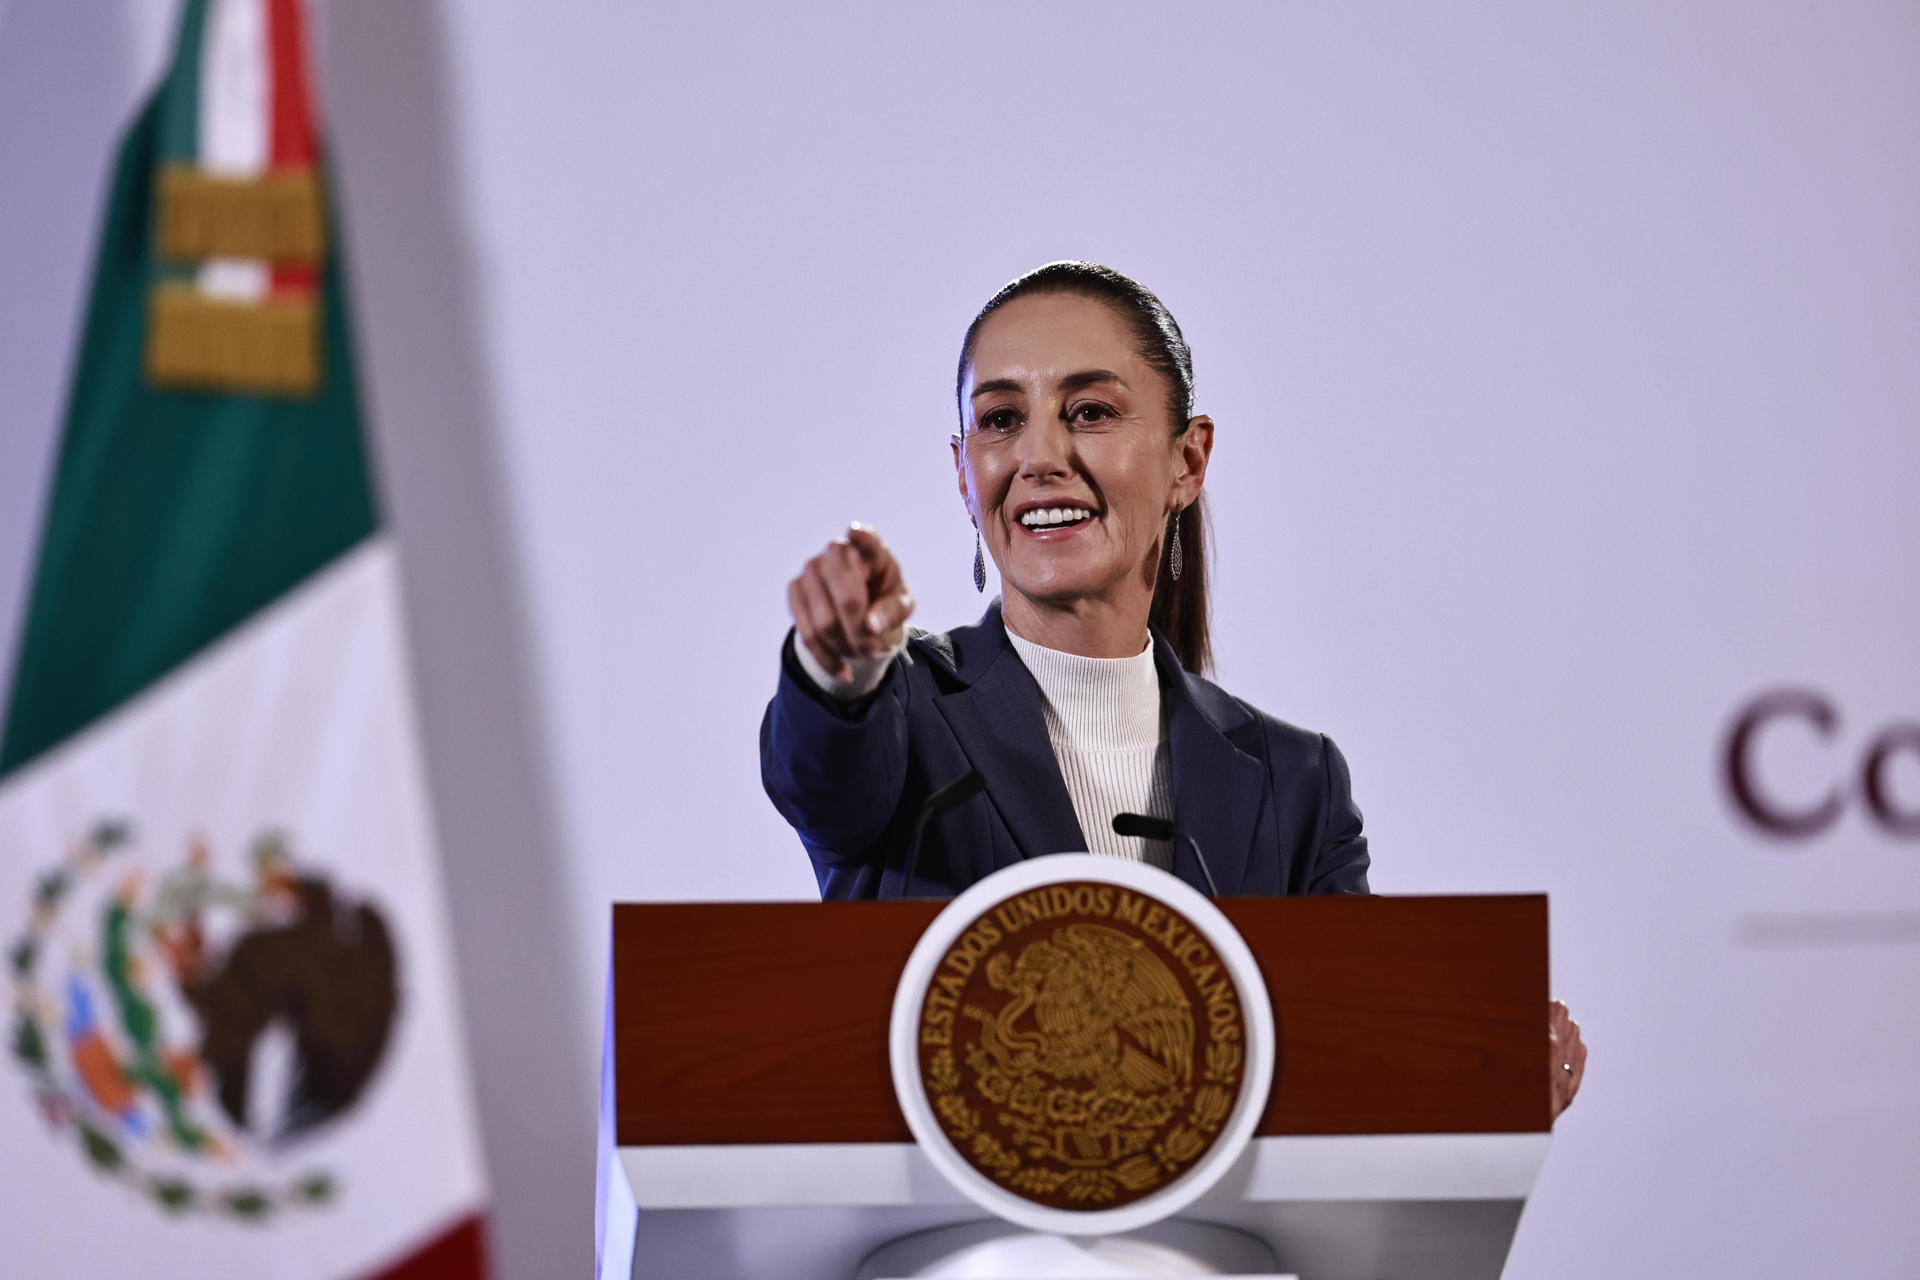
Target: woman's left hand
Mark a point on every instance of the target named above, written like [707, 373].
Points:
[1566, 1056]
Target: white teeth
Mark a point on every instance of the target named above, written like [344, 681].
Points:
[1054, 515]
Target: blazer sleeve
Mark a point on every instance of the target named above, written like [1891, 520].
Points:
[1340, 856]
[835, 772]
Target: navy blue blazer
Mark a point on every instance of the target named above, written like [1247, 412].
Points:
[1268, 803]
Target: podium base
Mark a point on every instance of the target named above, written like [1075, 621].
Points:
[1001, 1251]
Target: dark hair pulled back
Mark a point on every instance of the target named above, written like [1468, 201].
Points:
[1180, 608]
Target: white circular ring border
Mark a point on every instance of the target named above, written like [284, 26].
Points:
[910, 995]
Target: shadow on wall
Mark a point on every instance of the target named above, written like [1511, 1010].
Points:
[385, 85]
[66, 98]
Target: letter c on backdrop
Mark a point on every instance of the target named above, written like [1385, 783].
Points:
[1769, 816]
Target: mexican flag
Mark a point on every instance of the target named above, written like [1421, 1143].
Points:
[233, 1044]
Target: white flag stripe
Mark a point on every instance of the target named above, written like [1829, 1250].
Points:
[301, 722]
[236, 89]
[236, 124]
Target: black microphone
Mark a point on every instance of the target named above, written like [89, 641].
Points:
[945, 800]
[1139, 824]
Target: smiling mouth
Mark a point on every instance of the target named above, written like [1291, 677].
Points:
[1049, 519]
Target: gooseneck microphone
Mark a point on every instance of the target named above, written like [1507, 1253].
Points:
[1139, 824]
[945, 800]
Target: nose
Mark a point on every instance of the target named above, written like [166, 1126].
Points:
[1047, 450]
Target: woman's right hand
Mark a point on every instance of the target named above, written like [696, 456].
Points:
[850, 601]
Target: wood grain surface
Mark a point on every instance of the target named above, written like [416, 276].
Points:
[767, 1022]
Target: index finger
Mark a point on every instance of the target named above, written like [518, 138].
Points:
[883, 571]
[867, 541]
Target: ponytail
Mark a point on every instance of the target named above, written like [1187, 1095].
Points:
[1180, 605]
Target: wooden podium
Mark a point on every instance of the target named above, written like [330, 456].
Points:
[749, 1127]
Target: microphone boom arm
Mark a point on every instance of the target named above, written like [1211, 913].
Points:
[1139, 824]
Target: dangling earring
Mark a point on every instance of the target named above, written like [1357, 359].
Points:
[1175, 562]
[979, 563]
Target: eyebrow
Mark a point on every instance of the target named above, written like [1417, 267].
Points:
[1072, 382]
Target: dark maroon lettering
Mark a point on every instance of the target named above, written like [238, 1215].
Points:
[1873, 779]
[1767, 814]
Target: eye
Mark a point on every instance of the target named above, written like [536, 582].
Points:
[1090, 411]
[1001, 419]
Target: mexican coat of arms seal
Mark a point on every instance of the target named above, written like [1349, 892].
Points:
[1081, 1043]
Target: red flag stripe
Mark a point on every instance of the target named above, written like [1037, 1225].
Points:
[292, 127]
[458, 1253]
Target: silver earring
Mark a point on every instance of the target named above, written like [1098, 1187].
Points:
[1175, 561]
[979, 563]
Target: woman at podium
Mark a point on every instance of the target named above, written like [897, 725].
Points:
[1080, 695]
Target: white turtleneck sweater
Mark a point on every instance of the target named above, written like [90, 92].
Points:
[1103, 721]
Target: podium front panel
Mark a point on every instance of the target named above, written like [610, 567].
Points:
[765, 1023]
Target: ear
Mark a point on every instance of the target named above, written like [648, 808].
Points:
[960, 476]
[1192, 448]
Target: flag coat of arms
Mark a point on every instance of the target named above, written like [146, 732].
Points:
[233, 1044]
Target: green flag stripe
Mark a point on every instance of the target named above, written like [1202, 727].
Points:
[180, 95]
[174, 516]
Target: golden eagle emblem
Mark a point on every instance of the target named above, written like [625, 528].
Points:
[1104, 1009]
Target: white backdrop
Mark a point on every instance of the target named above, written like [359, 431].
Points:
[1564, 372]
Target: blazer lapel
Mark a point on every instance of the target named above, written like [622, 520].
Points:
[996, 718]
[1218, 789]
